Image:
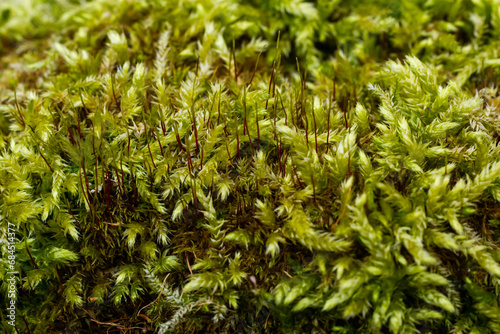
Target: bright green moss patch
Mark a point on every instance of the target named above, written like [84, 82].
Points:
[250, 167]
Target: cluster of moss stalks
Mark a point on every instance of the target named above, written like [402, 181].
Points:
[264, 166]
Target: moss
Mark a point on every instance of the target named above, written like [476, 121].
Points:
[281, 167]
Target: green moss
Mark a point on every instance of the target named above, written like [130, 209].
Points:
[264, 166]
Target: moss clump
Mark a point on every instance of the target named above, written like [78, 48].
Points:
[266, 166]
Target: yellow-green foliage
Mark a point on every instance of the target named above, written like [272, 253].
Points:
[251, 166]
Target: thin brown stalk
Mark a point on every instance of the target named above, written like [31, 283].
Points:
[237, 143]
[59, 280]
[245, 124]
[84, 195]
[218, 108]
[307, 128]
[25, 323]
[187, 261]
[123, 174]
[149, 149]
[72, 215]
[258, 130]
[114, 95]
[270, 84]
[133, 185]
[118, 180]
[83, 103]
[43, 157]
[71, 137]
[86, 179]
[234, 61]
[315, 129]
[31, 257]
[21, 118]
[284, 110]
